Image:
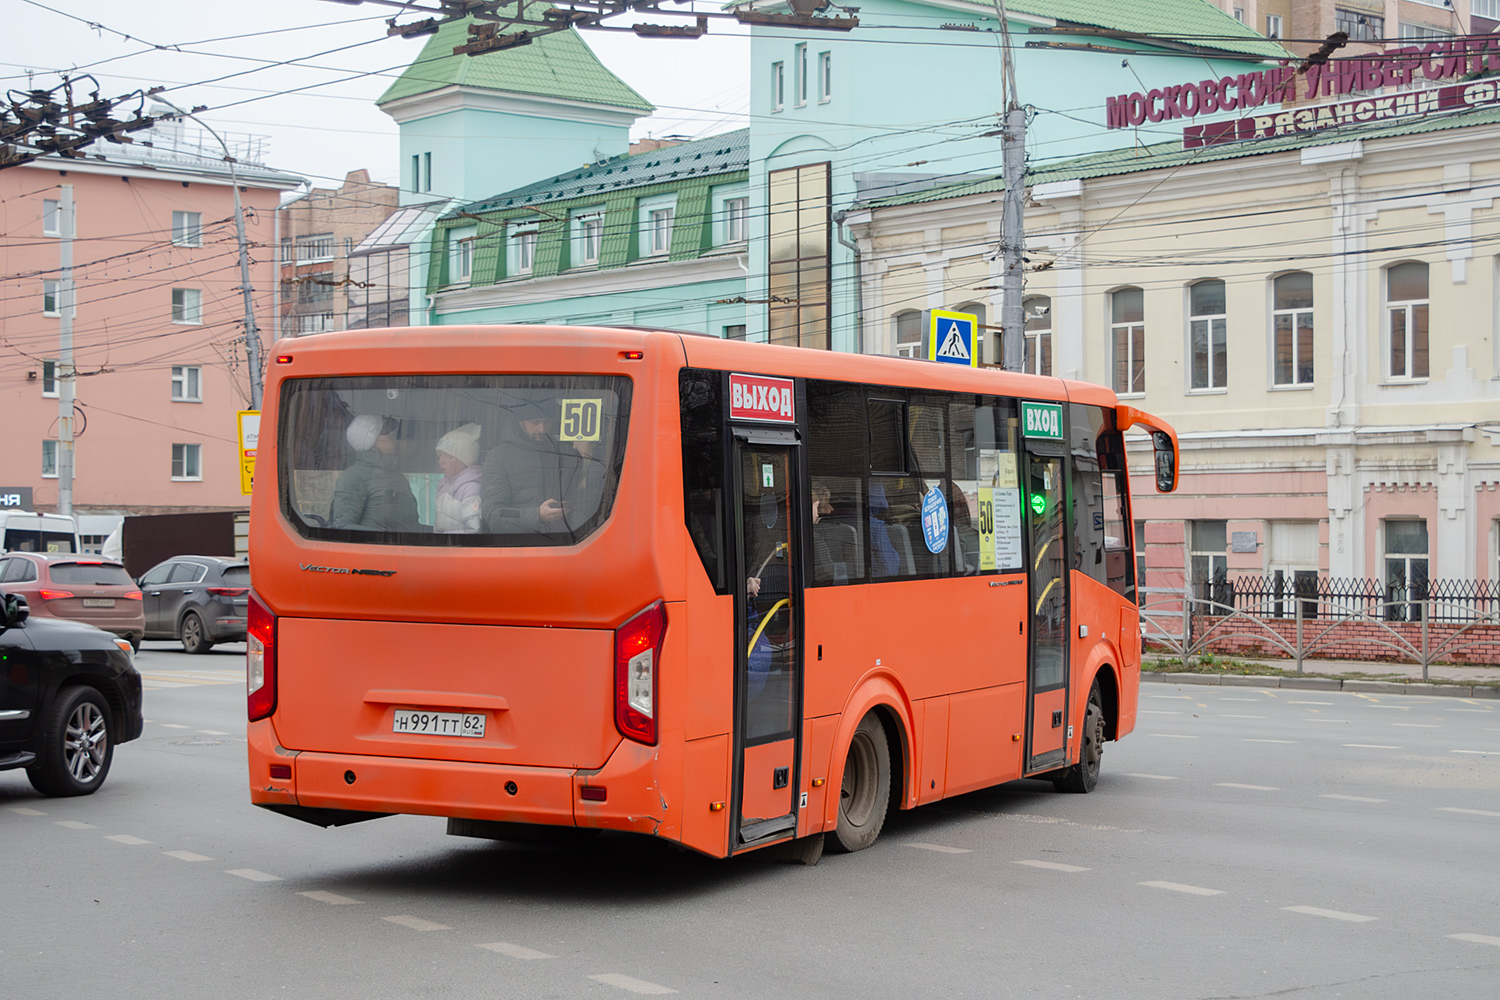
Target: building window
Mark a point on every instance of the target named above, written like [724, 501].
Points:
[314, 323]
[660, 226]
[1485, 8]
[735, 331]
[1138, 539]
[1127, 334]
[185, 383]
[590, 238]
[288, 251]
[1405, 569]
[187, 229]
[1038, 313]
[909, 335]
[736, 220]
[187, 305]
[825, 76]
[778, 86]
[49, 459]
[427, 172]
[49, 377]
[1210, 563]
[523, 247]
[1273, 25]
[187, 461]
[315, 288]
[51, 217]
[51, 297]
[461, 254]
[416, 173]
[1423, 32]
[1359, 26]
[1206, 335]
[318, 246]
[1406, 309]
[798, 236]
[1292, 320]
[1239, 14]
[801, 68]
[980, 314]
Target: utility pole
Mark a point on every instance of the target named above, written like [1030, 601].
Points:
[1012, 218]
[65, 369]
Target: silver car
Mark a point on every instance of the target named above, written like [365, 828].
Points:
[198, 600]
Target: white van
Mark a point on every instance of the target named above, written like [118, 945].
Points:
[24, 531]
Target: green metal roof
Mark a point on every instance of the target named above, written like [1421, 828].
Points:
[1195, 22]
[1163, 155]
[557, 65]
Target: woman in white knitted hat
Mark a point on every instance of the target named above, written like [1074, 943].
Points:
[458, 493]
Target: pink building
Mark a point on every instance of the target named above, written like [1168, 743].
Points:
[158, 321]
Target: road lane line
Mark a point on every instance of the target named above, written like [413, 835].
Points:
[1477, 939]
[1054, 866]
[515, 950]
[1350, 798]
[331, 898]
[1467, 812]
[1371, 746]
[416, 923]
[1315, 911]
[1252, 788]
[1481, 711]
[27, 811]
[74, 824]
[1171, 697]
[187, 856]
[1153, 777]
[940, 848]
[125, 838]
[1193, 890]
[1268, 741]
[252, 875]
[213, 732]
[1482, 753]
[630, 983]
[174, 725]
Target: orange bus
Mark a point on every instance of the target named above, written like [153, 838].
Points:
[731, 595]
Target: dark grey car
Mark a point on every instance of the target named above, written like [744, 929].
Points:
[198, 600]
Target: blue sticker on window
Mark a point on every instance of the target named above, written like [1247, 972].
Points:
[935, 520]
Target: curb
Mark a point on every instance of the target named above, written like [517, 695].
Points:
[1325, 684]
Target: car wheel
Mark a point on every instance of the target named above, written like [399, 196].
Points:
[135, 643]
[865, 792]
[77, 744]
[1084, 776]
[193, 635]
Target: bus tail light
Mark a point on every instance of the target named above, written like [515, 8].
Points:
[637, 661]
[260, 661]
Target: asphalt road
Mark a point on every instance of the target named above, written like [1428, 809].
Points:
[1242, 843]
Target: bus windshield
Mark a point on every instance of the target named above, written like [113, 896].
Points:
[486, 460]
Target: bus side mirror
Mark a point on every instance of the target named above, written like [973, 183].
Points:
[1166, 462]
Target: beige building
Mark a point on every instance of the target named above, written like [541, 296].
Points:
[1362, 19]
[1315, 314]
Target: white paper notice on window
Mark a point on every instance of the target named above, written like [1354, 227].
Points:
[1008, 526]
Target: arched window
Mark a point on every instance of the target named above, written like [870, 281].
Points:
[1127, 335]
[1406, 312]
[979, 312]
[1038, 313]
[1207, 325]
[1292, 322]
[909, 334]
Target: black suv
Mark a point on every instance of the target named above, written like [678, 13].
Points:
[68, 694]
[197, 600]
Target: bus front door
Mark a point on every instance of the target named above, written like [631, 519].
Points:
[768, 653]
[1047, 587]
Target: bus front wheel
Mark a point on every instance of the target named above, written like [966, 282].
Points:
[1084, 775]
[865, 791]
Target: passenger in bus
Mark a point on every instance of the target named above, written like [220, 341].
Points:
[523, 478]
[830, 540]
[371, 495]
[883, 558]
[458, 493]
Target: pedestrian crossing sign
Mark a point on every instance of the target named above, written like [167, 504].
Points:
[953, 337]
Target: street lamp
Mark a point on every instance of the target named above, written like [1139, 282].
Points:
[252, 335]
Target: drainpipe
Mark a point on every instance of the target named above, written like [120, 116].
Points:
[859, 283]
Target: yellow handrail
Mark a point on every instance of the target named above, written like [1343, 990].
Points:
[763, 623]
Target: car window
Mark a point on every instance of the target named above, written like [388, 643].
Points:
[186, 573]
[158, 575]
[98, 574]
[5, 567]
[18, 571]
[237, 576]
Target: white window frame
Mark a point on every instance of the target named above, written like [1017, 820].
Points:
[1407, 560]
[1130, 327]
[1035, 334]
[188, 458]
[588, 237]
[315, 247]
[51, 217]
[1294, 315]
[908, 321]
[1489, 9]
[288, 251]
[799, 66]
[49, 365]
[1422, 32]
[825, 77]
[51, 292]
[1206, 322]
[521, 246]
[737, 219]
[1408, 308]
[778, 86]
[187, 384]
[656, 218]
[461, 244]
[187, 306]
[187, 228]
[1273, 26]
[49, 458]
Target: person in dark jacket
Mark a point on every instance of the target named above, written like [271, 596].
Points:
[523, 479]
[371, 495]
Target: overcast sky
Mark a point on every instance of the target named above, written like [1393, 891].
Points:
[319, 110]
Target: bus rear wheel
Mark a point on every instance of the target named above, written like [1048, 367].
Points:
[1084, 775]
[865, 791]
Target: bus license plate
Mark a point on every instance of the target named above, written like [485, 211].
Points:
[98, 602]
[439, 723]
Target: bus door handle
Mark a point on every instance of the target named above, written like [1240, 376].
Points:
[438, 699]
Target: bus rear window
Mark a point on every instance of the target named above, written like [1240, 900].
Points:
[477, 460]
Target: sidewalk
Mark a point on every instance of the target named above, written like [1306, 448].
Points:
[1333, 675]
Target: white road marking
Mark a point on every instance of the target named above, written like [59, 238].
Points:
[1350, 798]
[1314, 911]
[1195, 890]
[1467, 812]
[416, 923]
[1252, 788]
[1052, 866]
[515, 950]
[1172, 736]
[1153, 777]
[1371, 746]
[1480, 752]
[1477, 939]
[1267, 741]
[1157, 711]
[1242, 716]
[1309, 703]
[74, 824]
[174, 725]
[213, 732]
[941, 849]
[27, 811]
[1399, 708]
[187, 856]
[125, 838]
[1171, 697]
[629, 983]
[153, 685]
[1416, 725]
[252, 875]
[1481, 711]
[331, 898]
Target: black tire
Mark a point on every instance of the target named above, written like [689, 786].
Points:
[77, 744]
[194, 634]
[865, 790]
[135, 644]
[1084, 775]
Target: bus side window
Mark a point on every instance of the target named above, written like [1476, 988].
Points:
[703, 468]
[838, 457]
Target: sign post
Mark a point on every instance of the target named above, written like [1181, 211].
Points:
[249, 424]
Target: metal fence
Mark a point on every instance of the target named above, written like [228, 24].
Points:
[1397, 601]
